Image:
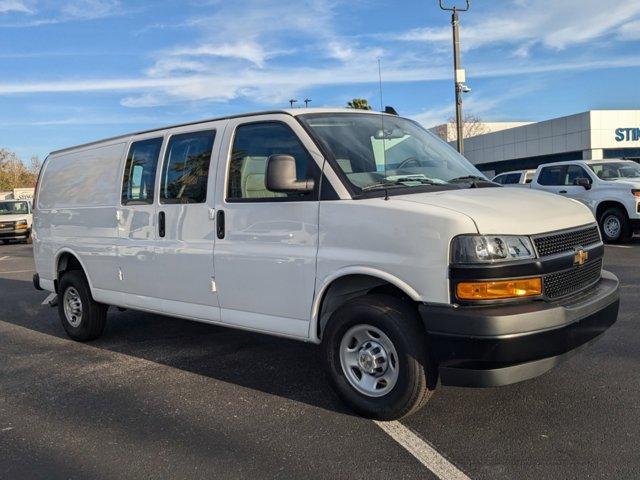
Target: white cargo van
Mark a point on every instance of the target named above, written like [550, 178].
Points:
[16, 219]
[361, 231]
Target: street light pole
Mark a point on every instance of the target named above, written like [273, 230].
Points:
[459, 73]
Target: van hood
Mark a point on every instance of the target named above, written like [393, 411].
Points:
[516, 211]
[14, 218]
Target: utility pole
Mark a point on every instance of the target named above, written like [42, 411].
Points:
[459, 73]
[292, 101]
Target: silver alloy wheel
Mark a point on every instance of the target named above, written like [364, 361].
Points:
[72, 307]
[369, 360]
[612, 226]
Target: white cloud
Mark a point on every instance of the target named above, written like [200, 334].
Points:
[553, 24]
[630, 31]
[17, 6]
[166, 67]
[50, 13]
[243, 50]
[278, 83]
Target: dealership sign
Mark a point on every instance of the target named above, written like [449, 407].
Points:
[627, 134]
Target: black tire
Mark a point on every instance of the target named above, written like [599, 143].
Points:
[399, 321]
[90, 323]
[624, 232]
[29, 240]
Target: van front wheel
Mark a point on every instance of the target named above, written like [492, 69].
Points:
[375, 352]
[82, 317]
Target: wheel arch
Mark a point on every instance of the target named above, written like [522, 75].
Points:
[349, 283]
[607, 204]
[66, 260]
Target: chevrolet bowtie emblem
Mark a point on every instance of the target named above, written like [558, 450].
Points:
[581, 257]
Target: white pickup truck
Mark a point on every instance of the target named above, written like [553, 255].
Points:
[610, 188]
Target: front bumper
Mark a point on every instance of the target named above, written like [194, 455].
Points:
[14, 234]
[498, 345]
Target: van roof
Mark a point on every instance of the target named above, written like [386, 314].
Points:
[288, 111]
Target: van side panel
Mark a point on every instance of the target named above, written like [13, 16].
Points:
[407, 241]
[83, 178]
[76, 212]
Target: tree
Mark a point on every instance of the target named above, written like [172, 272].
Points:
[471, 126]
[359, 104]
[14, 173]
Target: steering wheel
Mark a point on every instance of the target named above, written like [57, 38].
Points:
[407, 161]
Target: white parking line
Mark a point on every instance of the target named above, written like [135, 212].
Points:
[422, 451]
[15, 271]
[48, 299]
[620, 246]
[4, 258]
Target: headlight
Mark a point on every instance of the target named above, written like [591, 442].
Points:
[636, 193]
[490, 249]
[21, 223]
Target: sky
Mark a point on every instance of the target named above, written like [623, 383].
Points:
[81, 70]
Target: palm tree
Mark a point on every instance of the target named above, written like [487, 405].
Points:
[359, 104]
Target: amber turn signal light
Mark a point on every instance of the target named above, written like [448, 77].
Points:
[496, 290]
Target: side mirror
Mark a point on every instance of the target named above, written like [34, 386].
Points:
[281, 176]
[583, 182]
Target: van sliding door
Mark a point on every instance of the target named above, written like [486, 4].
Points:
[183, 272]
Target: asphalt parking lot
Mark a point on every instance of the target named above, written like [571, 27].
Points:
[157, 397]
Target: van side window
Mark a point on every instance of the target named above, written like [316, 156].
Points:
[253, 144]
[552, 175]
[499, 179]
[186, 168]
[140, 172]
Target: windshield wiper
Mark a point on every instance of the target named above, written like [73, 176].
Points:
[474, 180]
[401, 182]
[468, 178]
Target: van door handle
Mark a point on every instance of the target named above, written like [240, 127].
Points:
[562, 191]
[220, 224]
[161, 224]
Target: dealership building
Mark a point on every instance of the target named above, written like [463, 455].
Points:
[596, 134]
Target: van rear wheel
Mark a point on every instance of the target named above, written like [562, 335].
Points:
[375, 354]
[82, 317]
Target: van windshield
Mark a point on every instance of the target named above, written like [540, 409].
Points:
[616, 170]
[384, 151]
[13, 208]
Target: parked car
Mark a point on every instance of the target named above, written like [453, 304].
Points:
[610, 188]
[359, 231]
[516, 178]
[15, 221]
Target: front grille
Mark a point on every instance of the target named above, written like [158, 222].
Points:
[564, 283]
[562, 242]
[7, 224]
